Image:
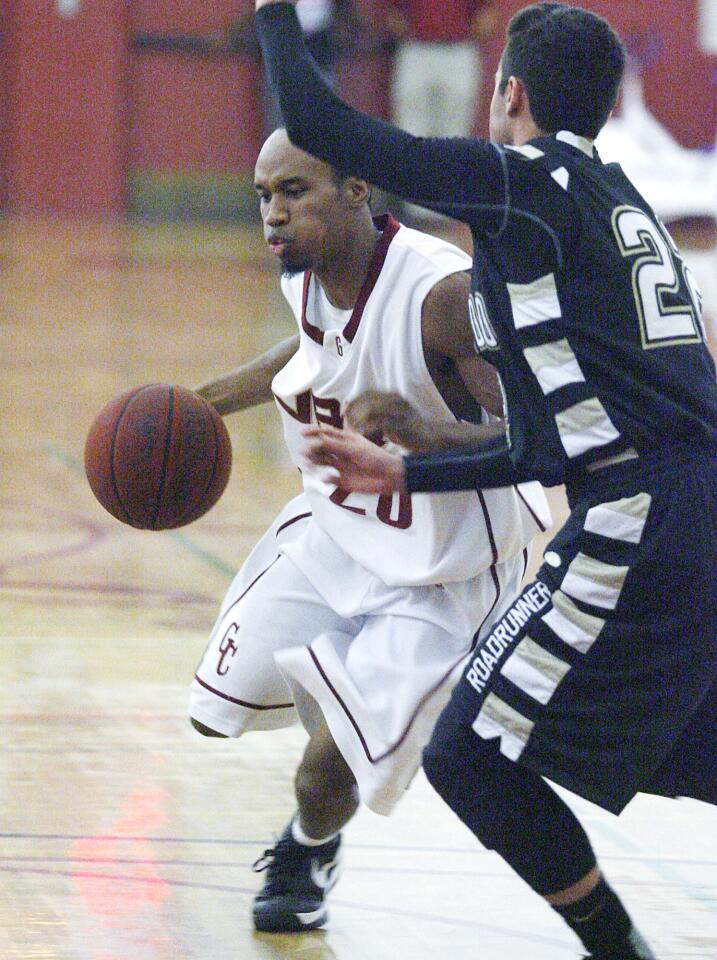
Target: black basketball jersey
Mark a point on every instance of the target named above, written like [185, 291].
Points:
[583, 303]
[580, 298]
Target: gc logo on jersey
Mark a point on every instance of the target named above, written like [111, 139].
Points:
[483, 332]
[227, 648]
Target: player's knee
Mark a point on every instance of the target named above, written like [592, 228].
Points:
[463, 769]
[205, 730]
[445, 755]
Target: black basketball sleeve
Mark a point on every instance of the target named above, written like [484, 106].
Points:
[491, 466]
[465, 178]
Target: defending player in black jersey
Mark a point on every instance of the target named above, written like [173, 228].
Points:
[603, 675]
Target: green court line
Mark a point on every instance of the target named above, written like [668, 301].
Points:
[211, 559]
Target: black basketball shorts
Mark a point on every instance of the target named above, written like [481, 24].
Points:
[608, 661]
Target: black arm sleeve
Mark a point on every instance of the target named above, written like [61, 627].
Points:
[463, 177]
[488, 467]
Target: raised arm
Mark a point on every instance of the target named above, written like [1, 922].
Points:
[250, 384]
[363, 466]
[463, 177]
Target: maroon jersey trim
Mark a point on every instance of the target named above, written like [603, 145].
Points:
[243, 703]
[530, 510]
[299, 516]
[488, 526]
[389, 227]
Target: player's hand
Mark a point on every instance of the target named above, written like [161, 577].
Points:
[360, 465]
[377, 415]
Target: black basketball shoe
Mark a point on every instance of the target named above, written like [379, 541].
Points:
[298, 879]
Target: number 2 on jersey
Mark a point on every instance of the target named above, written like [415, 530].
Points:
[384, 508]
[657, 272]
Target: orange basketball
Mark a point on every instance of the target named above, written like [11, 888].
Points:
[158, 457]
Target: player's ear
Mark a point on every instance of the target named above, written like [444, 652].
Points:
[516, 96]
[357, 192]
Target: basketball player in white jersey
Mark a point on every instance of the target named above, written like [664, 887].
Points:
[356, 613]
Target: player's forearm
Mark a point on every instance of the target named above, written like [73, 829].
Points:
[315, 118]
[465, 470]
[459, 437]
[456, 174]
[250, 384]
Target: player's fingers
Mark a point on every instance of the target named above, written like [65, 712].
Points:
[315, 452]
[326, 447]
[317, 431]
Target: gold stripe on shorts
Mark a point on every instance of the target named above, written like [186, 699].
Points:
[499, 719]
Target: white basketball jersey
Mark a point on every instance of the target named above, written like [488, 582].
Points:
[401, 539]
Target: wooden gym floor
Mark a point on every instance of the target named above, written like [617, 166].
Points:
[123, 834]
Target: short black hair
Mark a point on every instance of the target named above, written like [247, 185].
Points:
[339, 178]
[571, 62]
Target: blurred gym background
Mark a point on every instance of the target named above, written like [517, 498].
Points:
[153, 108]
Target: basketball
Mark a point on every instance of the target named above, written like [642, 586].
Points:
[158, 457]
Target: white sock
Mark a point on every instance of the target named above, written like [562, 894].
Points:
[300, 837]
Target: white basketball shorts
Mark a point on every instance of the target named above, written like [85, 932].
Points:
[378, 662]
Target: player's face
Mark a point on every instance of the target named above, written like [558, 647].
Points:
[301, 204]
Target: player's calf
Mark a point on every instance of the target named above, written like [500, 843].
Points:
[325, 786]
[513, 811]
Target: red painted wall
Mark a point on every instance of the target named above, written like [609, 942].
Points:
[67, 107]
[5, 50]
[205, 114]
[193, 113]
[79, 107]
[188, 111]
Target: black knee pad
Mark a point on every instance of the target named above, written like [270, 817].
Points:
[509, 808]
[465, 770]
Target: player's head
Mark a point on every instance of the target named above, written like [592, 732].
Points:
[310, 211]
[570, 63]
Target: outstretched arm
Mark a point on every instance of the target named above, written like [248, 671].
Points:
[250, 384]
[378, 415]
[464, 177]
[363, 466]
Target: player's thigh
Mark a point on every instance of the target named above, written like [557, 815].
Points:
[238, 685]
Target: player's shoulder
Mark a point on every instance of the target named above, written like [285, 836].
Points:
[418, 246]
[554, 157]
